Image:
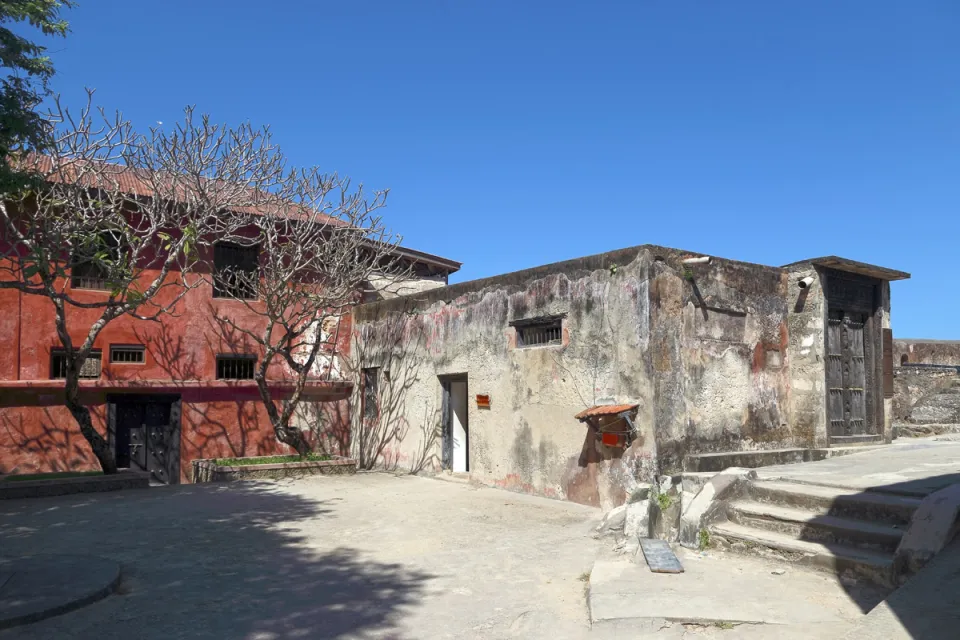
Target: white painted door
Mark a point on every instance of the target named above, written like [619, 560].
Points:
[458, 425]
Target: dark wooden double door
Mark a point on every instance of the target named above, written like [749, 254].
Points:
[851, 360]
[146, 434]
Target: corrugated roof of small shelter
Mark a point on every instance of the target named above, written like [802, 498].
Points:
[605, 410]
[852, 266]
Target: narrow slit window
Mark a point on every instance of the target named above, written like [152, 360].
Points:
[236, 367]
[539, 333]
[89, 370]
[371, 396]
[127, 354]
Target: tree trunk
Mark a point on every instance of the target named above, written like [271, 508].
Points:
[293, 437]
[99, 445]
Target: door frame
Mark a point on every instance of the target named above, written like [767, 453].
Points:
[176, 404]
[834, 299]
[446, 423]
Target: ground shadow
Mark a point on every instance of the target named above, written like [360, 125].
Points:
[212, 561]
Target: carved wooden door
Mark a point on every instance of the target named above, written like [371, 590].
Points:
[846, 374]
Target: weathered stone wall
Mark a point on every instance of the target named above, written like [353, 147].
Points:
[806, 355]
[528, 440]
[911, 384]
[720, 358]
[705, 350]
[926, 352]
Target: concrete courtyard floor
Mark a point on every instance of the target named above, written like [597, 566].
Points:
[366, 556]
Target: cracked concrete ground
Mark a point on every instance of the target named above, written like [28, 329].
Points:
[366, 556]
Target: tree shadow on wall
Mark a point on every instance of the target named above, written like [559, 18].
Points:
[238, 567]
[329, 426]
[49, 445]
[213, 434]
[170, 352]
[394, 345]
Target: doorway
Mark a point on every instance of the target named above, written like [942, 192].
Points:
[455, 424]
[145, 434]
[854, 408]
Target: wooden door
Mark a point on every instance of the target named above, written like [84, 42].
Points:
[846, 375]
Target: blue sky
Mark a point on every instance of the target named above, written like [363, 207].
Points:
[515, 133]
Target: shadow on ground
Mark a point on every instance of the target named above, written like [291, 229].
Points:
[212, 561]
[927, 606]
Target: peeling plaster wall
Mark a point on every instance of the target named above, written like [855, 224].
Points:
[806, 354]
[386, 288]
[722, 356]
[528, 440]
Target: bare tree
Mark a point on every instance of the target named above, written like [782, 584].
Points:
[124, 213]
[319, 244]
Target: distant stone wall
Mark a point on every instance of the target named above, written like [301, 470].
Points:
[912, 384]
[926, 352]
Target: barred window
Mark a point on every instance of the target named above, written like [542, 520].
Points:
[236, 367]
[127, 353]
[235, 270]
[538, 332]
[58, 365]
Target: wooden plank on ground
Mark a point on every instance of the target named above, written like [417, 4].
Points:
[660, 557]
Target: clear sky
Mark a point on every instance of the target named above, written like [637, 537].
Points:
[515, 133]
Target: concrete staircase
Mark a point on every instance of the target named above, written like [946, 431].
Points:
[839, 530]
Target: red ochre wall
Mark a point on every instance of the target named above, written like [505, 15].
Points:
[219, 419]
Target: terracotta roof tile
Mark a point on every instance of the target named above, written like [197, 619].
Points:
[605, 410]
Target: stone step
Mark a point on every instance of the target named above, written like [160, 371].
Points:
[814, 527]
[834, 501]
[856, 440]
[873, 565]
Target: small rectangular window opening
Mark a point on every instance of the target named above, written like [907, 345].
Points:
[89, 370]
[85, 271]
[371, 402]
[540, 333]
[127, 354]
[236, 367]
[235, 270]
